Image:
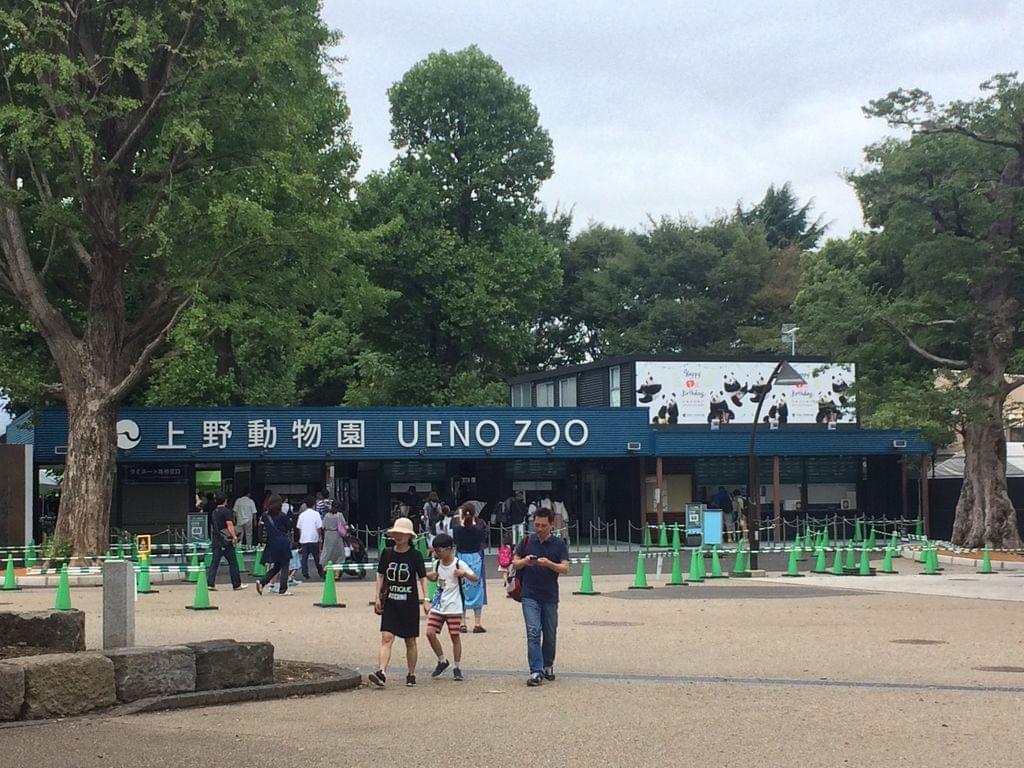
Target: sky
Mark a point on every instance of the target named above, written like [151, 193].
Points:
[684, 108]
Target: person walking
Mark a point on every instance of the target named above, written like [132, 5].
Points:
[451, 575]
[223, 544]
[541, 559]
[723, 501]
[278, 550]
[334, 536]
[397, 603]
[469, 547]
[516, 510]
[245, 514]
[310, 526]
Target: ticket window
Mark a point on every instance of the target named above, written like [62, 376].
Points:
[676, 494]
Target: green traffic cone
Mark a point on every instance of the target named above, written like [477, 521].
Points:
[931, 564]
[207, 559]
[201, 596]
[675, 538]
[922, 555]
[677, 571]
[701, 567]
[31, 558]
[142, 580]
[850, 565]
[193, 568]
[640, 582]
[258, 568]
[865, 563]
[919, 527]
[824, 538]
[10, 580]
[694, 574]
[240, 559]
[586, 581]
[741, 567]
[871, 538]
[662, 536]
[935, 557]
[647, 536]
[793, 571]
[329, 598]
[135, 551]
[716, 565]
[887, 561]
[986, 562]
[894, 543]
[804, 546]
[63, 599]
[819, 561]
[837, 564]
[858, 534]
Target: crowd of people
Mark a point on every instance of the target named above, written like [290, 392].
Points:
[530, 561]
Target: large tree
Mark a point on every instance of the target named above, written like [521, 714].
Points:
[148, 151]
[941, 274]
[462, 242]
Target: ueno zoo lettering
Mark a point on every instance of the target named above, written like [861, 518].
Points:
[435, 433]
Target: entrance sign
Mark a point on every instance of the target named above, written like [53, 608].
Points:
[197, 526]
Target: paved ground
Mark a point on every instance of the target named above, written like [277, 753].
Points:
[819, 671]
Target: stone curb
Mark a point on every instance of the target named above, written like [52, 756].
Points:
[344, 679]
[92, 580]
[997, 565]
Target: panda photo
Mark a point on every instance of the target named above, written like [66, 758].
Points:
[648, 390]
[662, 417]
[839, 386]
[719, 409]
[827, 411]
[672, 413]
[730, 384]
[759, 390]
[738, 395]
[783, 410]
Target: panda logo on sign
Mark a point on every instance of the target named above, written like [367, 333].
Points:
[128, 434]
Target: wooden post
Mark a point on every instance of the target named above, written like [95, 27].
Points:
[660, 472]
[926, 515]
[776, 495]
[641, 467]
[903, 486]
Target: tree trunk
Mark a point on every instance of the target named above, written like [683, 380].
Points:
[984, 512]
[84, 517]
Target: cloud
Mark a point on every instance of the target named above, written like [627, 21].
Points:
[667, 108]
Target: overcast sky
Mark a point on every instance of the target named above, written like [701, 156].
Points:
[686, 107]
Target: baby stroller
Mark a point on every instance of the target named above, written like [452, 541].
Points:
[355, 552]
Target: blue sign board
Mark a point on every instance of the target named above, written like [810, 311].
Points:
[169, 435]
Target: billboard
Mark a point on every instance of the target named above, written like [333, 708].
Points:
[729, 392]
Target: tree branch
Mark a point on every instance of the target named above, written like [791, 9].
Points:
[145, 358]
[973, 135]
[946, 362]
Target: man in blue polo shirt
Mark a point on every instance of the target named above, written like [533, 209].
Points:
[541, 559]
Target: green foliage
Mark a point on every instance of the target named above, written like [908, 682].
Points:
[466, 126]
[56, 549]
[786, 222]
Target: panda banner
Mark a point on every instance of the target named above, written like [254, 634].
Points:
[729, 392]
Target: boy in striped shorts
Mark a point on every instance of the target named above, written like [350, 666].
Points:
[447, 606]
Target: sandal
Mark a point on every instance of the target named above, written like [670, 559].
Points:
[478, 630]
[463, 629]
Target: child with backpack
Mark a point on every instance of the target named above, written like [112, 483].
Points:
[448, 604]
[505, 557]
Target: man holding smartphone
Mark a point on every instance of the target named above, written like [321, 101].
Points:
[541, 559]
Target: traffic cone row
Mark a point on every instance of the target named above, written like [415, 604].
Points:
[865, 564]
[662, 536]
[716, 565]
[931, 562]
[677, 571]
[694, 575]
[142, 580]
[819, 561]
[887, 561]
[640, 580]
[741, 568]
[793, 569]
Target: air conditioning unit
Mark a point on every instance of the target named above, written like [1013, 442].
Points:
[899, 443]
[832, 426]
[60, 449]
[633, 446]
[773, 424]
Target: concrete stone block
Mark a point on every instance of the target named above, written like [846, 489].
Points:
[230, 664]
[56, 630]
[12, 691]
[156, 671]
[62, 684]
[118, 604]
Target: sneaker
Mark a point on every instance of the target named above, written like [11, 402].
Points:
[240, 586]
[410, 681]
[377, 678]
[212, 589]
[441, 667]
[457, 674]
[535, 679]
[285, 594]
[549, 674]
[293, 582]
[275, 589]
[259, 587]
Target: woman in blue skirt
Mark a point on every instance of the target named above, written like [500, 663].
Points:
[469, 547]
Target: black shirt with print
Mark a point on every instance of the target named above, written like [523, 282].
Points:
[400, 571]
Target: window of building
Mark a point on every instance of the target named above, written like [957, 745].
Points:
[614, 386]
[521, 396]
[567, 392]
[545, 394]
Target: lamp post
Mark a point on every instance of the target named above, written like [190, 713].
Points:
[785, 375]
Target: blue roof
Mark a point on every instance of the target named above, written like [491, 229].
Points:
[790, 441]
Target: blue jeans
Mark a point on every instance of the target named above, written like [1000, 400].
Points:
[541, 620]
